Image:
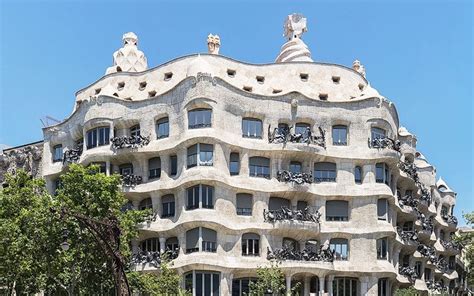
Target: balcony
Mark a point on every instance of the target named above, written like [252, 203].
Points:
[294, 178]
[407, 200]
[324, 254]
[131, 180]
[435, 286]
[426, 223]
[427, 252]
[283, 135]
[153, 258]
[450, 245]
[408, 272]
[441, 265]
[450, 219]
[382, 143]
[408, 235]
[410, 169]
[308, 214]
[72, 155]
[129, 142]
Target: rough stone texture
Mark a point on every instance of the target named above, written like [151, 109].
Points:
[26, 157]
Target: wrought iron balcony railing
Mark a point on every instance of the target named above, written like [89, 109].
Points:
[131, 180]
[153, 258]
[425, 195]
[427, 252]
[441, 265]
[308, 214]
[283, 135]
[382, 143]
[450, 245]
[407, 200]
[72, 155]
[450, 219]
[410, 169]
[408, 272]
[435, 286]
[129, 142]
[408, 235]
[308, 254]
[296, 178]
[426, 222]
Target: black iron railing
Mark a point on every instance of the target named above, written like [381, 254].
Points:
[308, 254]
[408, 272]
[296, 178]
[283, 135]
[382, 143]
[129, 142]
[153, 258]
[307, 214]
[131, 180]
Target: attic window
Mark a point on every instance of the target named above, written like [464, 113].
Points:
[97, 91]
[142, 85]
[304, 76]
[323, 97]
[247, 88]
[361, 86]
[276, 91]
[336, 79]
[115, 95]
[231, 73]
[151, 94]
[260, 79]
[120, 85]
[168, 76]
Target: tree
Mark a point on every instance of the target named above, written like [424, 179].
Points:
[406, 292]
[270, 280]
[466, 239]
[24, 221]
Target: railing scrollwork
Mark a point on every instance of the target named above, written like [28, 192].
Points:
[131, 180]
[308, 254]
[295, 178]
[408, 272]
[282, 135]
[382, 143]
[153, 258]
[291, 215]
[129, 142]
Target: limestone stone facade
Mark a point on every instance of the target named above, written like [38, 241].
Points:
[242, 163]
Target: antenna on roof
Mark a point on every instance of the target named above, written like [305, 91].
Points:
[49, 121]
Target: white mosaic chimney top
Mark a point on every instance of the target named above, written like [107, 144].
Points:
[128, 58]
[357, 66]
[213, 44]
[295, 50]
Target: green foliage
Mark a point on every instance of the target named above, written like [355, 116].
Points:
[270, 279]
[466, 239]
[166, 283]
[406, 292]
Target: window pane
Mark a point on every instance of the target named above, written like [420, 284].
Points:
[174, 165]
[382, 209]
[162, 128]
[251, 128]
[339, 135]
[358, 174]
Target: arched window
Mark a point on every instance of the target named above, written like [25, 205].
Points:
[295, 167]
[154, 168]
[382, 173]
[377, 133]
[382, 209]
[209, 240]
[126, 169]
[252, 128]
[250, 244]
[244, 204]
[337, 210]
[162, 128]
[340, 247]
[199, 118]
[58, 153]
[234, 164]
[135, 130]
[200, 155]
[358, 175]
[168, 206]
[442, 188]
[98, 136]
[325, 172]
[382, 248]
[145, 204]
[339, 135]
[204, 283]
[290, 244]
[172, 244]
[259, 167]
[150, 245]
[200, 196]
[276, 203]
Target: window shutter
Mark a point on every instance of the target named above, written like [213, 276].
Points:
[337, 208]
[244, 200]
[192, 238]
[154, 163]
[277, 202]
[209, 235]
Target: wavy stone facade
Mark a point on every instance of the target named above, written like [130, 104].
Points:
[302, 162]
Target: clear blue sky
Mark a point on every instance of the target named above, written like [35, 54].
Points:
[417, 54]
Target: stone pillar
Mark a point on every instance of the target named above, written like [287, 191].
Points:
[330, 280]
[107, 167]
[364, 285]
[396, 258]
[307, 280]
[226, 283]
[162, 244]
[372, 288]
[144, 165]
[288, 285]
[321, 285]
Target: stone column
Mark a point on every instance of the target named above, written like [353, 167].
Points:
[226, 283]
[372, 288]
[330, 280]
[288, 285]
[307, 280]
[144, 165]
[321, 285]
[162, 244]
[107, 167]
[364, 285]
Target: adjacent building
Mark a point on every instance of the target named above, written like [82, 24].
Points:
[296, 161]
